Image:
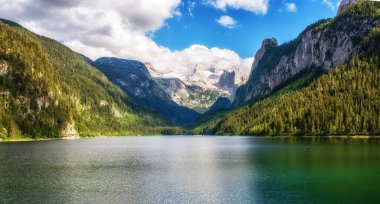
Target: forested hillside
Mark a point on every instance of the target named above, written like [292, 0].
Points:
[47, 90]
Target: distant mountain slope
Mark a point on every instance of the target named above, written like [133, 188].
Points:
[47, 90]
[297, 100]
[191, 96]
[323, 45]
[203, 86]
[133, 77]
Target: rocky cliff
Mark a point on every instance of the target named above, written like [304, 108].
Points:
[267, 44]
[323, 45]
[227, 81]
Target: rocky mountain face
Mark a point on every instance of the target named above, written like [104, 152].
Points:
[134, 78]
[323, 46]
[227, 82]
[202, 87]
[212, 78]
[192, 96]
[267, 44]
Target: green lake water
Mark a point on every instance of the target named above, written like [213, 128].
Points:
[191, 170]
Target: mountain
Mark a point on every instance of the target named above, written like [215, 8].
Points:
[168, 96]
[203, 86]
[212, 78]
[134, 78]
[326, 82]
[192, 96]
[324, 45]
[47, 90]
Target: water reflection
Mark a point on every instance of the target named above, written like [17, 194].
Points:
[328, 140]
[190, 170]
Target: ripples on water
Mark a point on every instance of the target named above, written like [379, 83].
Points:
[191, 170]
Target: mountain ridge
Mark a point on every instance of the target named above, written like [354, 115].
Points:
[337, 100]
[324, 44]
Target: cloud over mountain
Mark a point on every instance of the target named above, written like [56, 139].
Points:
[110, 28]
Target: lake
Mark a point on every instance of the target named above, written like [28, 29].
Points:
[182, 169]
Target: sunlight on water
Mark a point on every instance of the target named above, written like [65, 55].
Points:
[190, 170]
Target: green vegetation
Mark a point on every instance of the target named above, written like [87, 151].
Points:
[344, 101]
[362, 9]
[45, 87]
[30, 103]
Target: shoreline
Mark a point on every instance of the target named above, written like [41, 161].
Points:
[28, 139]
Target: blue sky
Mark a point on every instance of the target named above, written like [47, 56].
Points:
[165, 33]
[246, 37]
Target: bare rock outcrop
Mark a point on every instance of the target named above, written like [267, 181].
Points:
[70, 132]
[266, 45]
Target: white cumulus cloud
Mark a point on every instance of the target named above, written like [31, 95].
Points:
[226, 21]
[255, 6]
[291, 7]
[183, 63]
[112, 28]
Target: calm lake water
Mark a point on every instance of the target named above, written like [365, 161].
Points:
[190, 170]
